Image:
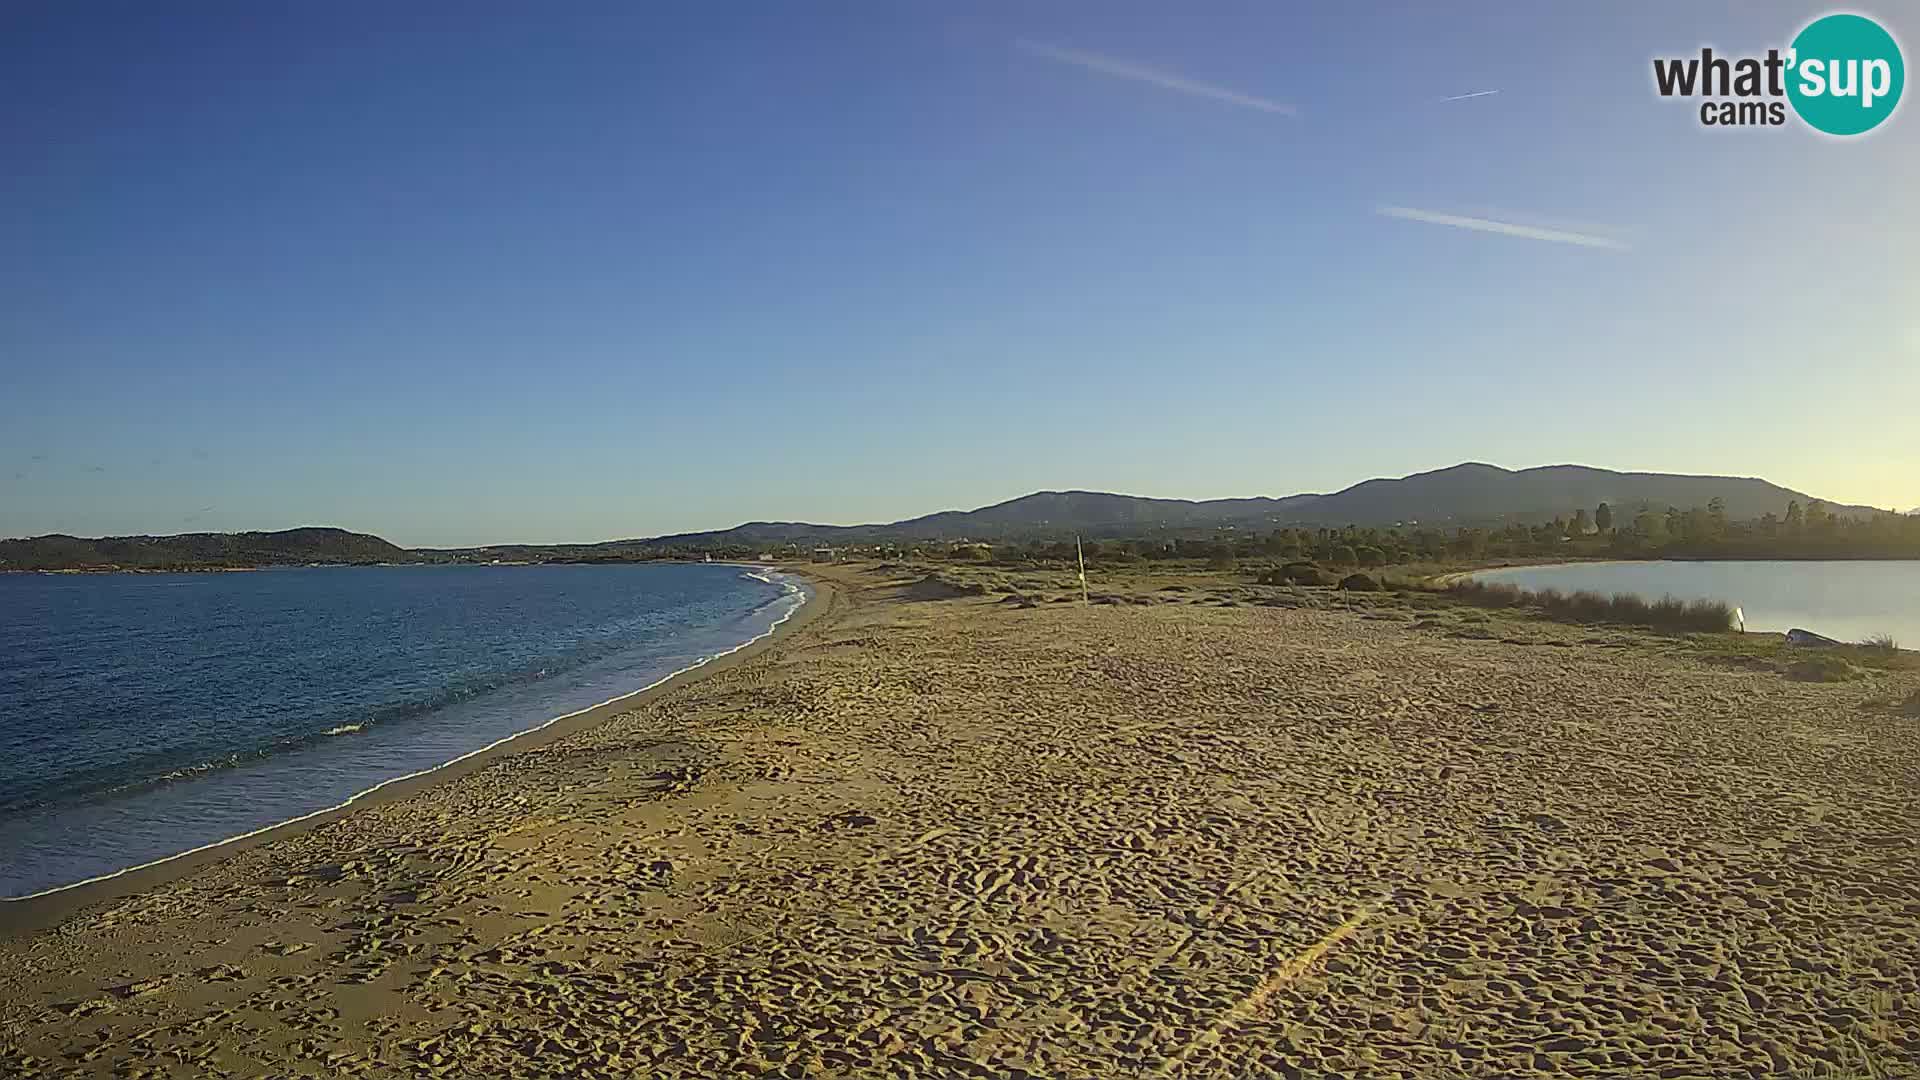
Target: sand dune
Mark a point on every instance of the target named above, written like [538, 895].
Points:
[959, 837]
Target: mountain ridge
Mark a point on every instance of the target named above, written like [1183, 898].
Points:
[1470, 493]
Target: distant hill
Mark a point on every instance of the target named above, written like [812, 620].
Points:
[291, 547]
[1467, 494]
[1473, 492]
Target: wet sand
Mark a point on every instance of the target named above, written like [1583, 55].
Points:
[1175, 833]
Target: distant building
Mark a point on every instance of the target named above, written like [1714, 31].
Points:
[825, 554]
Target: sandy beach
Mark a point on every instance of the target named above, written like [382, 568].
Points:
[1196, 829]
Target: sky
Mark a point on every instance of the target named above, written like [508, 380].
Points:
[468, 273]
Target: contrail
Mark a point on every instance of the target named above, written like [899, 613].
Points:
[1122, 69]
[1504, 228]
[1463, 97]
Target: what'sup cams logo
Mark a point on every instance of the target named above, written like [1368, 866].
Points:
[1842, 76]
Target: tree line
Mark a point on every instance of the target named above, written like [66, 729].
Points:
[1640, 531]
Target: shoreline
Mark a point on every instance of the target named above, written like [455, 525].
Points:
[69, 570]
[1462, 575]
[22, 915]
[938, 835]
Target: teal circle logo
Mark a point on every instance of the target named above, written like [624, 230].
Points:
[1845, 74]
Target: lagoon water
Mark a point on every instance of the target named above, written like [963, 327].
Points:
[142, 715]
[1849, 600]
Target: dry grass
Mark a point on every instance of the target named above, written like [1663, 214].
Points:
[1666, 613]
[1770, 651]
[1822, 667]
[1909, 706]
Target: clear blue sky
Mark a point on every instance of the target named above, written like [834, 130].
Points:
[467, 272]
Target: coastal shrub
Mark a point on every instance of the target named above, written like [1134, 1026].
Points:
[1344, 555]
[1487, 595]
[1821, 667]
[1910, 706]
[1359, 583]
[938, 587]
[1297, 573]
[1666, 613]
[1584, 605]
[1881, 643]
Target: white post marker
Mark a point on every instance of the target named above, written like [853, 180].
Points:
[1081, 555]
[1739, 620]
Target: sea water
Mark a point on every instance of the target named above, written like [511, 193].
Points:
[146, 715]
[1850, 600]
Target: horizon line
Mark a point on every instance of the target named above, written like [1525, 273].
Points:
[976, 509]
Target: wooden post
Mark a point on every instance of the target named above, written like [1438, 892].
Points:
[1081, 555]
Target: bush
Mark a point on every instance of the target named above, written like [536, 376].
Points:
[1824, 667]
[1910, 706]
[1882, 643]
[1344, 555]
[1359, 583]
[1666, 613]
[1297, 573]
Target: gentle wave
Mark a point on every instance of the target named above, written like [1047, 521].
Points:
[792, 592]
[424, 706]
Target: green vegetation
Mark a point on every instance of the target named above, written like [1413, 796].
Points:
[1835, 663]
[1822, 667]
[202, 551]
[1644, 532]
[1625, 609]
[1121, 531]
[1296, 573]
[1464, 610]
[1809, 532]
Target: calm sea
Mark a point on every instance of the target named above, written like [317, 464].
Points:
[1850, 600]
[142, 715]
